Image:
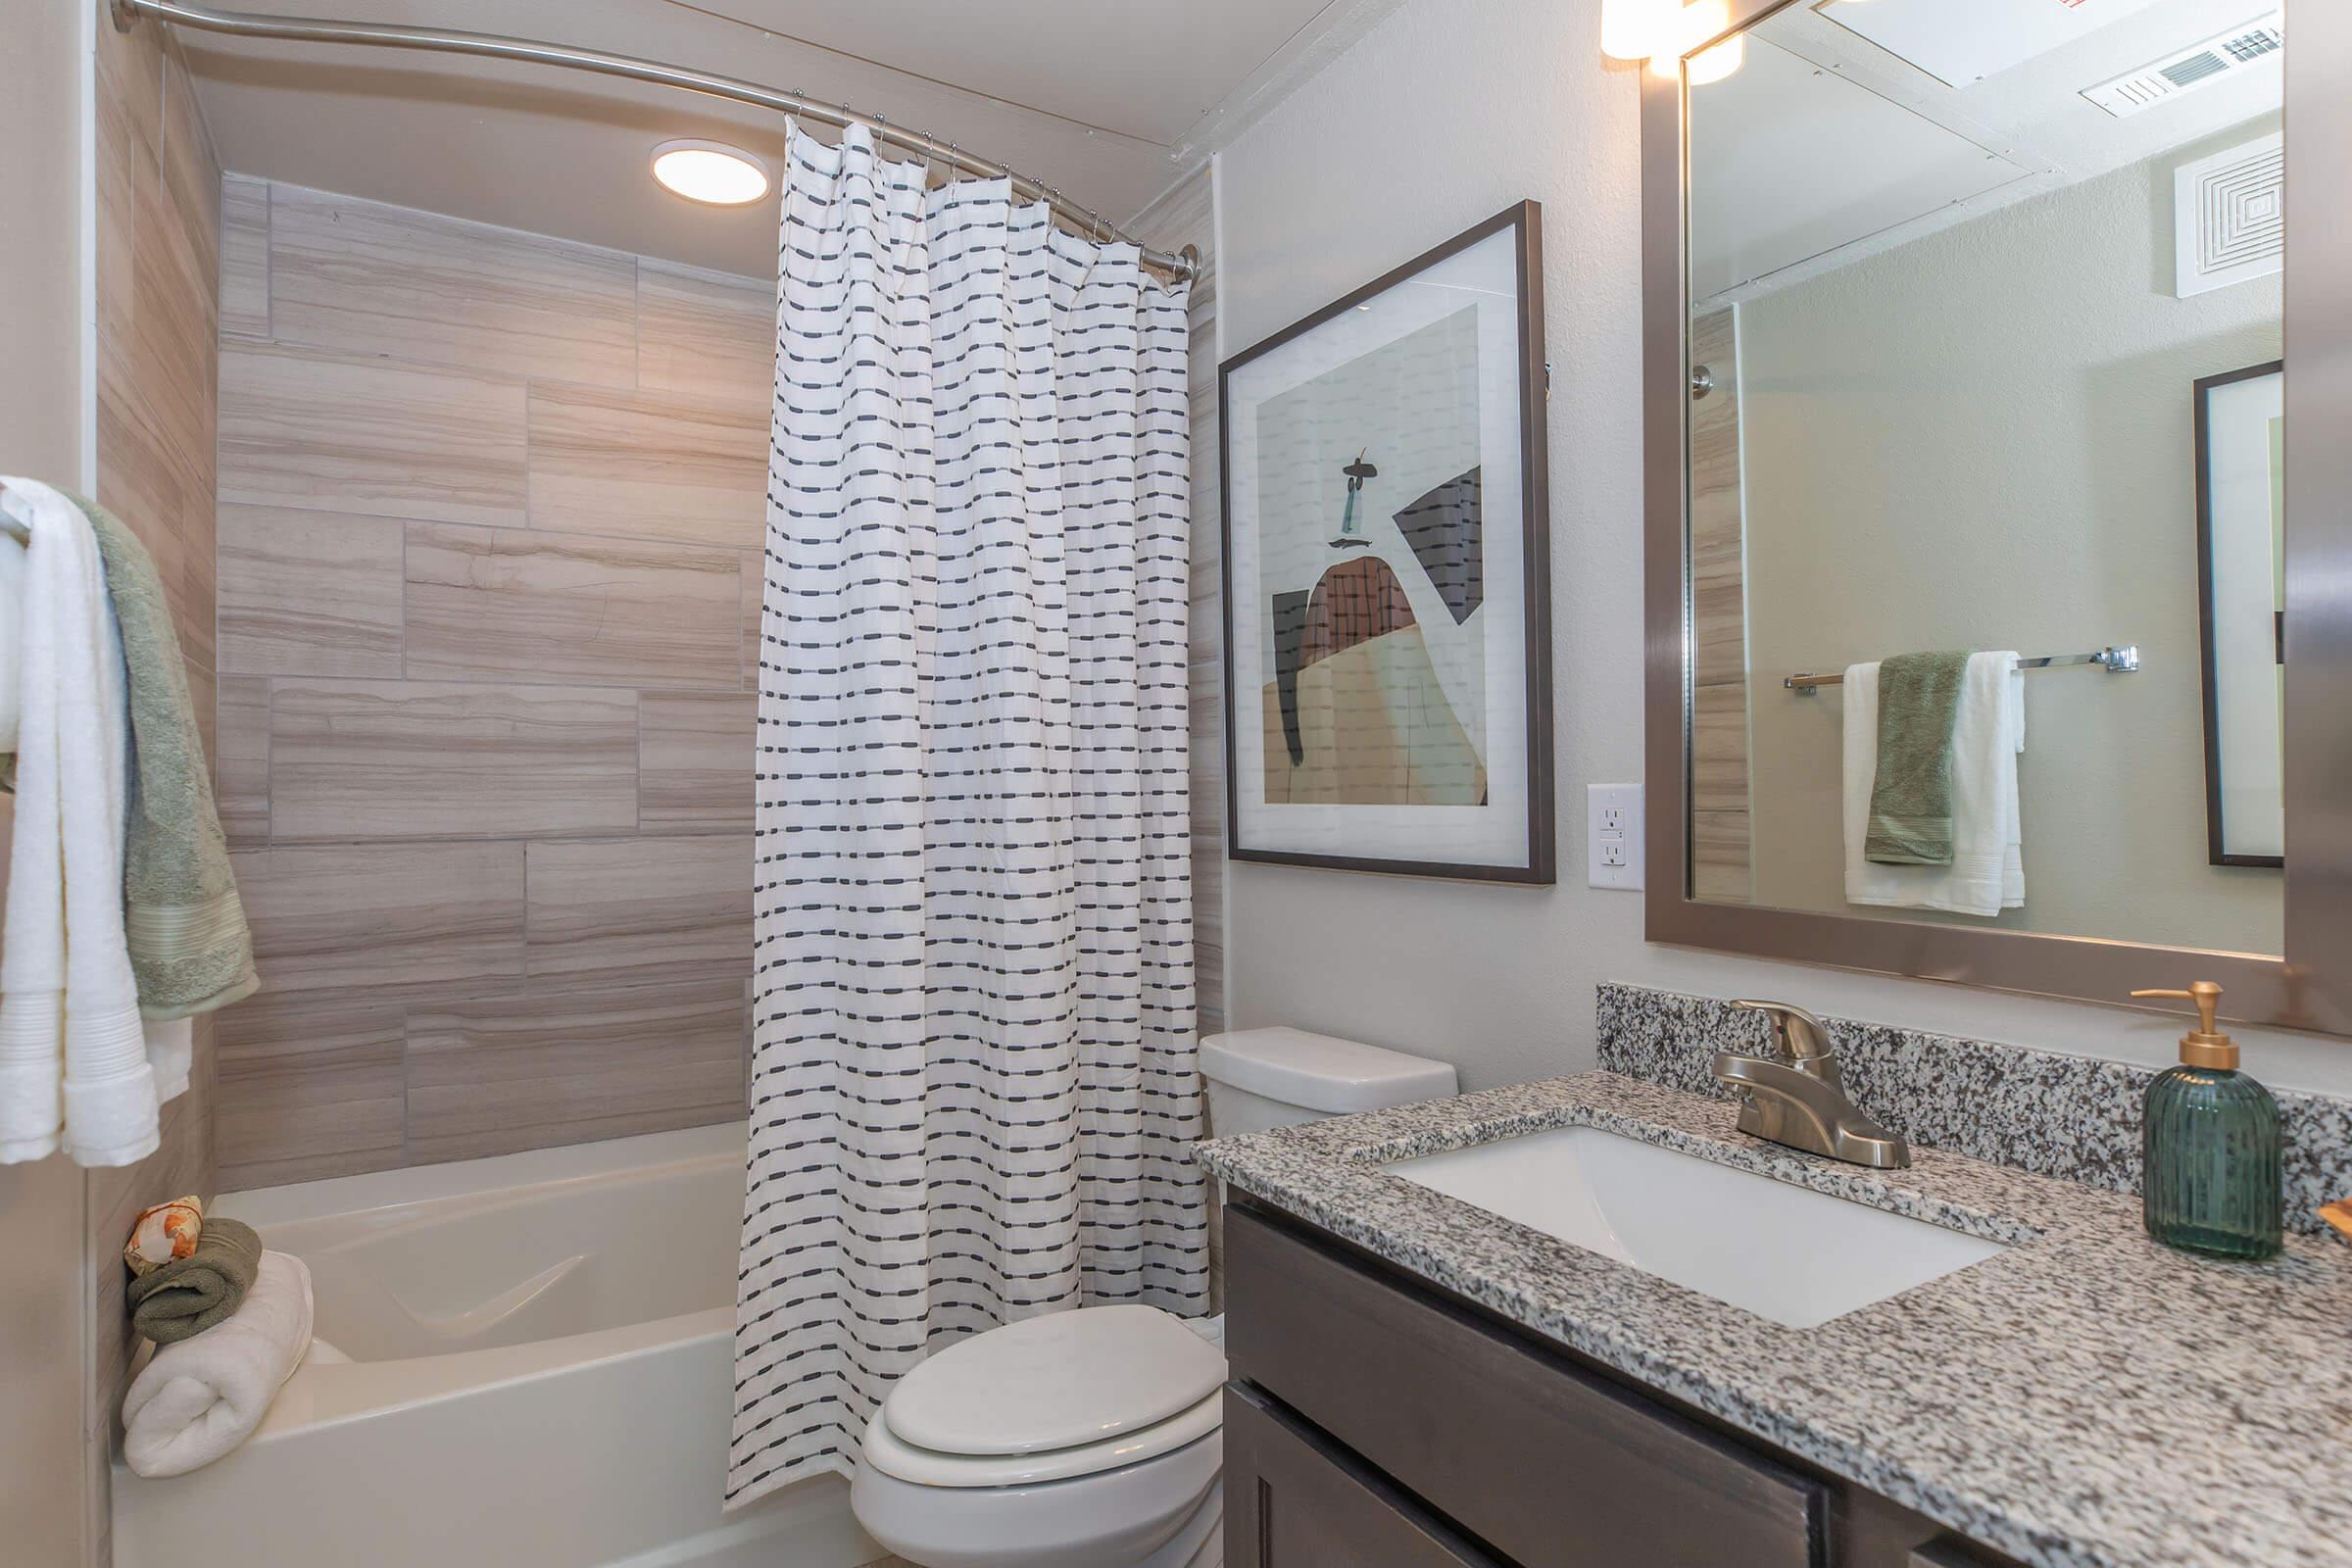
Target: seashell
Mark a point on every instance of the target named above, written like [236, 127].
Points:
[163, 1232]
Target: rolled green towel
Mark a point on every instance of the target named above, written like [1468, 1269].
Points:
[189, 1296]
[1911, 798]
[189, 949]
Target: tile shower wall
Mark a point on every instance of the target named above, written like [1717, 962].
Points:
[1183, 217]
[490, 514]
[158, 260]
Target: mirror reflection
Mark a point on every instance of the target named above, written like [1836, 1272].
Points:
[1985, 483]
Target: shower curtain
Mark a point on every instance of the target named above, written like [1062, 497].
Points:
[973, 1074]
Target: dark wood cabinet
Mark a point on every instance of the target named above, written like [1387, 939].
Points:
[1296, 1500]
[1946, 1552]
[1374, 1420]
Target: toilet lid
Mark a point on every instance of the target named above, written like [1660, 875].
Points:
[926, 1467]
[1061, 1381]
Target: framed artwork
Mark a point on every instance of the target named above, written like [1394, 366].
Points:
[2241, 597]
[1388, 657]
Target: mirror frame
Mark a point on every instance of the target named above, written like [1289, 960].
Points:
[2310, 987]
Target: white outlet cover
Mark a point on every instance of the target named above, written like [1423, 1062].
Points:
[1613, 836]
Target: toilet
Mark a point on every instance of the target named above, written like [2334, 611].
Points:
[1094, 1438]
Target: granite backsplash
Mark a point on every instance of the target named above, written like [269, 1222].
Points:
[2075, 1118]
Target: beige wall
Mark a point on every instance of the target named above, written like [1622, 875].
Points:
[1333, 187]
[1982, 439]
[491, 513]
[44, 1296]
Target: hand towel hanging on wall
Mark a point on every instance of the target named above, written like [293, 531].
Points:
[74, 1062]
[189, 948]
[1987, 873]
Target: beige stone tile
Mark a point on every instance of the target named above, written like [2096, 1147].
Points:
[755, 590]
[241, 762]
[571, 1062]
[648, 465]
[629, 911]
[369, 436]
[149, 482]
[245, 256]
[694, 761]
[366, 760]
[491, 603]
[359, 277]
[309, 593]
[311, 1085]
[204, 699]
[384, 919]
[707, 335]
[191, 167]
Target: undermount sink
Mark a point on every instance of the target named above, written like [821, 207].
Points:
[1783, 1253]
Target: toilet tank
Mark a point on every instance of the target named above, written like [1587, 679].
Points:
[1261, 1078]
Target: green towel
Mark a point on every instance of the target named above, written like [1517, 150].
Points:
[1911, 799]
[190, 1295]
[189, 949]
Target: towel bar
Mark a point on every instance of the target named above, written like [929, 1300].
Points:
[2115, 660]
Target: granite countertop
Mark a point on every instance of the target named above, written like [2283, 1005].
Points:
[2085, 1400]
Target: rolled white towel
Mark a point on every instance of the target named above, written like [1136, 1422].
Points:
[198, 1400]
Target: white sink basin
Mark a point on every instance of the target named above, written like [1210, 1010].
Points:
[1783, 1253]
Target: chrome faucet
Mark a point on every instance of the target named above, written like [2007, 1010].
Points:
[1797, 1096]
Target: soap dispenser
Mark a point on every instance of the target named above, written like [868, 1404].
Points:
[2210, 1176]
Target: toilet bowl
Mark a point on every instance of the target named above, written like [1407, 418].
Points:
[1088, 1439]
[1093, 1438]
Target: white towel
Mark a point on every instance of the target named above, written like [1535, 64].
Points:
[198, 1400]
[1988, 730]
[11, 619]
[74, 1062]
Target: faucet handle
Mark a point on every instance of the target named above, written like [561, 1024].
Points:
[1796, 1035]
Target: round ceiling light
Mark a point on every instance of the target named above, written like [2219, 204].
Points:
[709, 171]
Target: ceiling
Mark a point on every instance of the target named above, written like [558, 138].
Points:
[1109, 101]
[1829, 147]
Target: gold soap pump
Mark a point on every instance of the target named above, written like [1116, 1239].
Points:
[2211, 1177]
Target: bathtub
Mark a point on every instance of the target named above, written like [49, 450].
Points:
[541, 1369]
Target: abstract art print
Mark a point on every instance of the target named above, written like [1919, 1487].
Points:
[1387, 658]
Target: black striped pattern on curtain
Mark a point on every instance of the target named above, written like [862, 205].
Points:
[974, 1073]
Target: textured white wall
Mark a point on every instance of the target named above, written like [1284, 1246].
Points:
[1982, 439]
[1445, 114]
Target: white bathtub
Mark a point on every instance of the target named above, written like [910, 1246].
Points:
[541, 1368]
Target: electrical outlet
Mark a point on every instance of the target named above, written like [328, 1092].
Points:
[1613, 835]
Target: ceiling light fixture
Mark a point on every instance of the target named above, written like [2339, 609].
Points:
[1663, 31]
[709, 171]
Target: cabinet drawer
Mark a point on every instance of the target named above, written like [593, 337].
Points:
[1542, 1460]
[1291, 1500]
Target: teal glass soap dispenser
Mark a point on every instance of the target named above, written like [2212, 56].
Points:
[2210, 1172]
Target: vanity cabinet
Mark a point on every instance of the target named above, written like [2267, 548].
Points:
[1373, 1419]
[1309, 1504]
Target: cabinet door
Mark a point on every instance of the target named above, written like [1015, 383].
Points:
[1951, 1554]
[1294, 1499]
[1543, 1461]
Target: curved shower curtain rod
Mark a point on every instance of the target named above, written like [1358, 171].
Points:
[1179, 267]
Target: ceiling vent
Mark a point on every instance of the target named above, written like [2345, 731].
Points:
[2207, 63]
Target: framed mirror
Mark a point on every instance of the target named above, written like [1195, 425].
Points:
[2000, 624]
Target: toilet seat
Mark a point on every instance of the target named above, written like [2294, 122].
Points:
[893, 1457]
[1068, 1393]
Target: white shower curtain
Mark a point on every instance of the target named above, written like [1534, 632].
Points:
[973, 1065]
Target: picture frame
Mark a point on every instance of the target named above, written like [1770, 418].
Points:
[1387, 652]
[2239, 417]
